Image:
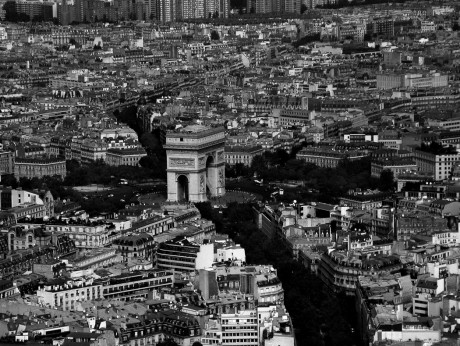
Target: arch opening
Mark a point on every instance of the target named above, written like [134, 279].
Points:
[209, 162]
[182, 188]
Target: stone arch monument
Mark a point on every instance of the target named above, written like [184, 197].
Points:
[196, 163]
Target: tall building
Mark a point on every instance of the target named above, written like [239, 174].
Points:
[152, 9]
[291, 6]
[192, 9]
[167, 11]
[268, 6]
[176, 10]
[224, 8]
[35, 9]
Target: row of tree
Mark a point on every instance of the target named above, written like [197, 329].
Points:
[330, 183]
[101, 173]
[319, 318]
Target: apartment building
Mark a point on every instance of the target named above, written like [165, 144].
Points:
[397, 166]
[93, 150]
[65, 294]
[354, 31]
[181, 254]
[241, 328]
[261, 281]
[268, 6]
[124, 157]
[7, 289]
[382, 26]
[452, 124]
[93, 259]
[440, 165]
[135, 246]
[327, 157]
[136, 284]
[39, 167]
[13, 198]
[85, 234]
[396, 80]
[6, 162]
[182, 328]
[363, 201]
[154, 225]
[242, 154]
[292, 116]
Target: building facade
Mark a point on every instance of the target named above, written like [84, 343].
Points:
[39, 168]
[124, 157]
[439, 165]
[241, 154]
[241, 328]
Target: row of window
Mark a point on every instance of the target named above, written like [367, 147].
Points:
[240, 334]
[245, 341]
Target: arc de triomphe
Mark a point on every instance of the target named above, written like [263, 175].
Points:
[196, 163]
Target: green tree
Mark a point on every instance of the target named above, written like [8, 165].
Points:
[148, 140]
[215, 35]
[9, 180]
[386, 181]
[305, 294]
[148, 162]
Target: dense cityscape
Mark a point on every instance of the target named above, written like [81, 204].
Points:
[229, 173]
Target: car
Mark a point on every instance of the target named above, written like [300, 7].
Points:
[111, 195]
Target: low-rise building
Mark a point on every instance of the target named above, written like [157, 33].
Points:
[136, 284]
[64, 294]
[124, 157]
[340, 270]
[39, 168]
[242, 154]
[241, 328]
[327, 157]
[180, 254]
[6, 162]
[438, 164]
[12, 198]
[68, 294]
[397, 166]
[364, 201]
[86, 234]
[92, 259]
[275, 322]
[140, 245]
